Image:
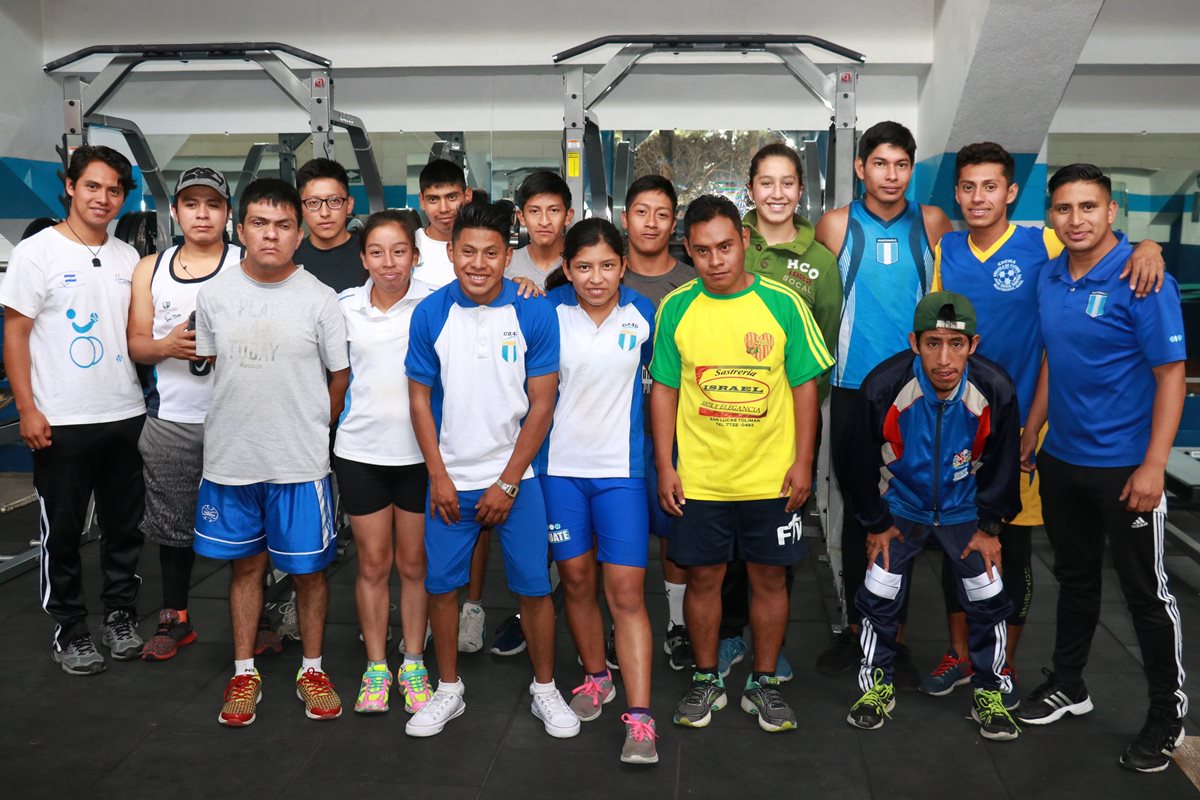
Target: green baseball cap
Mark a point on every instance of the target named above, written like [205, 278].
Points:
[945, 310]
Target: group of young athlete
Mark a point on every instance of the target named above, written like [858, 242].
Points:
[576, 395]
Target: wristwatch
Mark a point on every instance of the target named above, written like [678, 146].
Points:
[509, 489]
[991, 527]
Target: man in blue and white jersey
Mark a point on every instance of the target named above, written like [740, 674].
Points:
[482, 365]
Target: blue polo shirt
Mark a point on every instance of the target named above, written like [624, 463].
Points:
[476, 359]
[1102, 344]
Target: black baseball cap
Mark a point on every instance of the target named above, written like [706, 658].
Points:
[203, 176]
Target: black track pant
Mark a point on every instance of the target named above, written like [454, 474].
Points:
[842, 418]
[1081, 511]
[82, 459]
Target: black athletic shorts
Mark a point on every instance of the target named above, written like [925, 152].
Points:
[715, 532]
[367, 488]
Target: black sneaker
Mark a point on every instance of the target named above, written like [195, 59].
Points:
[1151, 750]
[875, 706]
[610, 650]
[845, 653]
[995, 723]
[706, 696]
[1053, 700]
[904, 673]
[679, 647]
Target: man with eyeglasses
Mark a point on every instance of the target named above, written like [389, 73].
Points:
[330, 252]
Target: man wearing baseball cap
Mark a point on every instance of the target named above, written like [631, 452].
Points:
[161, 335]
[935, 449]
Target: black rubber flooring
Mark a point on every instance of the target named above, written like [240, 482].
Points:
[146, 730]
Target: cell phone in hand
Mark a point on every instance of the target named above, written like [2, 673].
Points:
[191, 326]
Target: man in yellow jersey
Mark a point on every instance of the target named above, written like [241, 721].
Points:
[736, 358]
[996, 265]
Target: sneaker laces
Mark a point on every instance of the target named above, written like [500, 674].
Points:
[121, 624]
[287, 610]
[592, 688]
[315, 684]
[417, 680]
[877, 696]
[244, 686]
[638, 730]
[553, 703]
[84, 646]
[948, 662]
[375, 679]
[700, 687]
[989, 705]
[772, 699]
[439, 704]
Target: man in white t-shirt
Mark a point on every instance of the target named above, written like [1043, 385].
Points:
[66, 302]
[443, 191]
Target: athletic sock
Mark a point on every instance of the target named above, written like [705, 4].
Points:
[601, 675]
[754, 676]
[311, 663]
[243, 666]
[382, 663]
[675, 592]
[707, 671]
[542, 688]
[409, 658]
[183, 617]
[635, 710]
[473, 604]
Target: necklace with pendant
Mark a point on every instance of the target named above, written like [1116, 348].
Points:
[95, 253]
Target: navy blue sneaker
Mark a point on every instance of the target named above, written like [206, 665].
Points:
[510, 639]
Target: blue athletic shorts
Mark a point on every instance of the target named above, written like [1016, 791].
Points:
[603, 512]
[522, 539]
[660, 521]
[291, 521]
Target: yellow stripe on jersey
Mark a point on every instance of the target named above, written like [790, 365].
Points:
[1054, 245]
[936, 284]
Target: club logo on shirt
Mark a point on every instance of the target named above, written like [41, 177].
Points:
[759, 345]
[1095, 304]
[627, 341]
[69, 280]
[85, 351]
[508, 346]
[558, 534]
[1007, 276]
[733, 392]
[887, 251]
[961, 463]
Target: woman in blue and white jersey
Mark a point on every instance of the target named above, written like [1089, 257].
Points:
[592, 472]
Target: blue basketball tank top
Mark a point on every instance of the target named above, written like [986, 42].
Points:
[886, 268]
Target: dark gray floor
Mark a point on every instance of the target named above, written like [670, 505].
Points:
[150, 729]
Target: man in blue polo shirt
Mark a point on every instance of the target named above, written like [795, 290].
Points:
[1111, 357]
[482, 365]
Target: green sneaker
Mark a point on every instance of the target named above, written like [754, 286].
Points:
[706, 696]
[875, 706]
[764, 701]
[995, 723]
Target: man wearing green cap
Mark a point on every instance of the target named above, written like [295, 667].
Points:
[935, 446]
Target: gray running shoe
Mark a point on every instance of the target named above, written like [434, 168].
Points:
[875, 706]
[120, 635]
[764, 701]
[80, 657]
[706, 696]
[639, 739]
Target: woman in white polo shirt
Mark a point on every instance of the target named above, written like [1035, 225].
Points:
[380, 471]
[592, 472]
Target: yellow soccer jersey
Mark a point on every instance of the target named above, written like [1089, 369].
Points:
[734, 359]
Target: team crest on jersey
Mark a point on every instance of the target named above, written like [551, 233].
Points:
[961, 459]
[759, 345]
[887, 251]
[508, 347]
[1007, 276]
[627, 341]
[1096, 303]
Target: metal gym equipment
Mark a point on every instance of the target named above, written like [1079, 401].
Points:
[583, 154]
[311, 90]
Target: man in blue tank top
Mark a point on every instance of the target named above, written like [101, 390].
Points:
[885, 257]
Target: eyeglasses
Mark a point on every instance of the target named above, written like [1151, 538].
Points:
[334, 203]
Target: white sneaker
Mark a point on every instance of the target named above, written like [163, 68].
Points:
[470, 629]
[446, 704]
[555, 714]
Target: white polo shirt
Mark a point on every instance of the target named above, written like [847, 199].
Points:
[81, 370]
[376, 427]
[598, 429]
[477, 359]
[435, 266]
